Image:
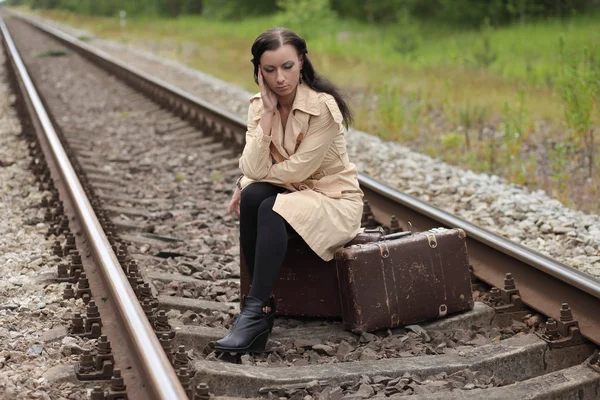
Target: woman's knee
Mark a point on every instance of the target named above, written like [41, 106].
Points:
[266, 206]
[254, 194]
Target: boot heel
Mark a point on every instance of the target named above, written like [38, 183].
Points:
[271, 322]
[259, 344]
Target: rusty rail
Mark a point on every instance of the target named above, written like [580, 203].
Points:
[544, 283]
[159, 374]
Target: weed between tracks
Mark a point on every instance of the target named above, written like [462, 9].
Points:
[53, 53]
[520, 102]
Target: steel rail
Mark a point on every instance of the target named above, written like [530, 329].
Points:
[544, 283]
[160, 376]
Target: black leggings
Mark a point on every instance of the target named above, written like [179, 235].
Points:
[263, 236]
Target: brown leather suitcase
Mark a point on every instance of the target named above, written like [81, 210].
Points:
[307, 286]
[404, 278]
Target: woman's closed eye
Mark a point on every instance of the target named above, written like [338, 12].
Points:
[286, 66]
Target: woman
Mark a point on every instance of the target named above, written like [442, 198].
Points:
[297, 176]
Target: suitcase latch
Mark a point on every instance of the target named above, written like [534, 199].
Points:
[383, 249]
[443, 310]
[431, 239]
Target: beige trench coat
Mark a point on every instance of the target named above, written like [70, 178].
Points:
[323, 202]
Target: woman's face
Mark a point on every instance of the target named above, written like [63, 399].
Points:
[281, 69]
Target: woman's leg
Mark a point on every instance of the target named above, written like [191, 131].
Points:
[251, 330]
[252, 197]
[271, 245]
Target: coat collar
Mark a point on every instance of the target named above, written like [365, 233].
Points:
[306, 100]
[285, 142]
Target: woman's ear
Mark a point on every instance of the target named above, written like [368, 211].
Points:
[301, 62]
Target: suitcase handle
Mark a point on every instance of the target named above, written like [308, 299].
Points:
[396, 235]
[375, 230]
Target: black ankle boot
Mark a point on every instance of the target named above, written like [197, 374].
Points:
[251, 330]
[272, 313]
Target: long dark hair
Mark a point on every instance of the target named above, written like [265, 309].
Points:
[277, 37]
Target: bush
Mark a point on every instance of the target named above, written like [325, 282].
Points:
[237, 9]
[306, 17]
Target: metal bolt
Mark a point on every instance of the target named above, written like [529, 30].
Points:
[495, 295]
[104, 345]
[86, 363]
[116, 382]
[395, 225]
[509, 282]
[133, 281]
[83, 282]
[62, 271]
[181, 358]
[68, 293]
[148, 310]
[76, 266]
[92, 309]
[551, 329]
[97, 394]
[184, 378]
[75, 257]
[161, 318]
[371, 223]
[161, 324]
[77, 323]
[565, 313]
[202, 392]
[132, 267]
[57, 248]
[145, 291]
[48, 216]
[165, 341]
[70, 244]
[121, 257]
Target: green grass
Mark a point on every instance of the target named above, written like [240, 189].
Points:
[367, 56]
[432, 87]
[53, 53]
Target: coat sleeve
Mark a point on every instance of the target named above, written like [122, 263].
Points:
[255, 160]
[308, 157]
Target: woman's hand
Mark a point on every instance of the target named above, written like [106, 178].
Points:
[234, 204]
[269, 98]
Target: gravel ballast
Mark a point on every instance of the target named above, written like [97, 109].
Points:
[31, 303]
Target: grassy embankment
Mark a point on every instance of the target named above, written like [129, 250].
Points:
[491, 100]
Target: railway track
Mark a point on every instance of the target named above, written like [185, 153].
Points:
[158, 166]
